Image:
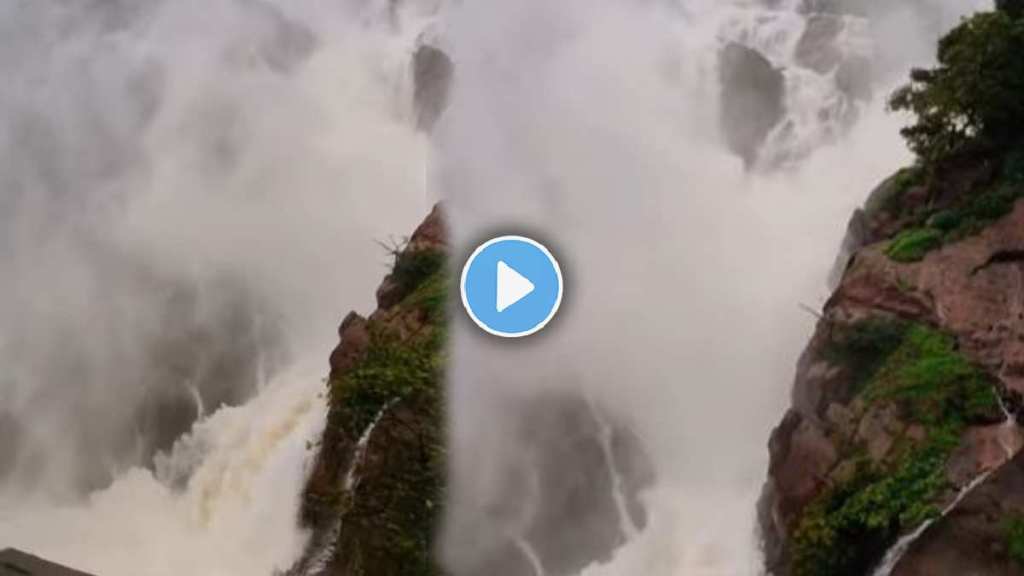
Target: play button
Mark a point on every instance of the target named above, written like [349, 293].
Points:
[511, 286]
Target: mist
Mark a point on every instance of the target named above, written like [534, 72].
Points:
[191, 196]
[594, 126]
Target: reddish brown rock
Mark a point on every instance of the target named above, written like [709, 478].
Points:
[973, 290]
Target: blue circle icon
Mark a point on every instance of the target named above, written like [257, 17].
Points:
[511, 286]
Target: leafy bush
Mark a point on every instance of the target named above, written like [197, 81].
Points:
[973, 97]
[912, 245]
[847, 529]
[413, 267]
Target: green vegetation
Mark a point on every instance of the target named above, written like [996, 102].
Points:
[963, 219]
[970, 105]
[391, 371]
[390, 521]
[847, 529]
[934, 384]
[414, 267]
[1013, 534]
[911, 245]
[972, 99]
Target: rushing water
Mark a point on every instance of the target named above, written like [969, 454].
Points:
[595, 125]
[190, 198]
[190, 191]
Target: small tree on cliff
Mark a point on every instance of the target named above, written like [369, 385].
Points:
[975, 96]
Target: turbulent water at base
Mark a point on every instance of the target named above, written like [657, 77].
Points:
[191, 192]
[189, 195]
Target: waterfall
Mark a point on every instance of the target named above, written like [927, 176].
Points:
[189, 199]
[531, 555]
[896, 552]
[197, 397]
[596, 125]
[359, 454]
[193, 187]
[626, 523]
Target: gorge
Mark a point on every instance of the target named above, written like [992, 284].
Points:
[191, 193]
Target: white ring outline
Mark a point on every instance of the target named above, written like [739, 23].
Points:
[465, 275]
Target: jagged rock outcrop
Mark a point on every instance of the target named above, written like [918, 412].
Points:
[900, 398]
[375, 495]
[570, 500]
[753, 99]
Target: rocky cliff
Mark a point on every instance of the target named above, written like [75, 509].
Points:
[375, 497]
[899, 454]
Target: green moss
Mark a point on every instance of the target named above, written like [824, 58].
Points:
[933, 382]
[1013, 535]
[912, 245]
[962, 220]
[390, 521]
[847, 529]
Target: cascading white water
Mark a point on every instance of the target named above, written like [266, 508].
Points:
[190, 194]
[605, 433]
[151, 149]
[594, 126]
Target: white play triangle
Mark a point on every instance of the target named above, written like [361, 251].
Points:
[512, 286]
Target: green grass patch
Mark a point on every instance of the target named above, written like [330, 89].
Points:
[912, 245]
[963, 220]
[933, 382]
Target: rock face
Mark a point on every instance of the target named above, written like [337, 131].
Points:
[753, 93]
[432, 72]
[375, 496]
[900, 398]
[570, 501]
[376, 489]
